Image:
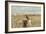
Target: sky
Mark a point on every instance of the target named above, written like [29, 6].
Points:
[26, 9]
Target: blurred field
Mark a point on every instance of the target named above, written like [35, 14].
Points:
[17, 21]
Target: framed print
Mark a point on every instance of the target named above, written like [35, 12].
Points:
[23, 16]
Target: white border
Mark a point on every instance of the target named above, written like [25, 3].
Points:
[23, 29]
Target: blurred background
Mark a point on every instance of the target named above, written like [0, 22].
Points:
[2, 17]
